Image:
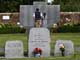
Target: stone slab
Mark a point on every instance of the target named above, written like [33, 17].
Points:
[69, 47]
[39, 38]
[26, 14]
[14, 49]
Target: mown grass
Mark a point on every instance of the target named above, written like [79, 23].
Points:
[8, 37]
[74, 37]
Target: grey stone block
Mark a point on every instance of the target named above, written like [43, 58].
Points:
[39, 38]
[26, 13]
[69, 47]
[14, 49]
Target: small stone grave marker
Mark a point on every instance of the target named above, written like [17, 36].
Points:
[14, 49]
[69, 47]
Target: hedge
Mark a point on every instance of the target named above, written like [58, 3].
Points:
[9, 28]
[66, 29]
[69, 28]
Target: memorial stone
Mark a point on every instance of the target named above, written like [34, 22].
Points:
[39, 38]
[14, 49]
[26, 13]
[69, 47]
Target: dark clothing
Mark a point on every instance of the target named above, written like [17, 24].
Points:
[37, 15]
[62, 51]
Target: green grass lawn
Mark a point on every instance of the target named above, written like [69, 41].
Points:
[75, 37]
[8, 37]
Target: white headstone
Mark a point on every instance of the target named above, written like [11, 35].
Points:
[39, 38]
[14, 49]
[69, 47]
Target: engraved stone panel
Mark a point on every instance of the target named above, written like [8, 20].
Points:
[14, 49]
[39, 38]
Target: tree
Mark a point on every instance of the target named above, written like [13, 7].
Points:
[13, 5]
[68, 5]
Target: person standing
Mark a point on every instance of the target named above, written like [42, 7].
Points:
[44, 20]
[38, 18]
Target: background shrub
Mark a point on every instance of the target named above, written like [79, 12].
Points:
[66, 29]
[69, 28]
[9, 28]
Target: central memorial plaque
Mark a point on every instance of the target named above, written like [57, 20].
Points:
[39, 38]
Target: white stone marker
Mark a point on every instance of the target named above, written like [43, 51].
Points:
[14, 49]
[69, 47]
[39, 38]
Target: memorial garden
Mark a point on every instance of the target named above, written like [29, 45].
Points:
[39, 31]
[54, 36]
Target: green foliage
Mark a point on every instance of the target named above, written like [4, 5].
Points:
[75, 37]
[14, 5]
[9, 28]
[68, 5]
[66, 29]
[56, 2]
[69, 28]
[2, 54]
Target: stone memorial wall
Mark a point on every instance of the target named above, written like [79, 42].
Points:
[26, 13]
